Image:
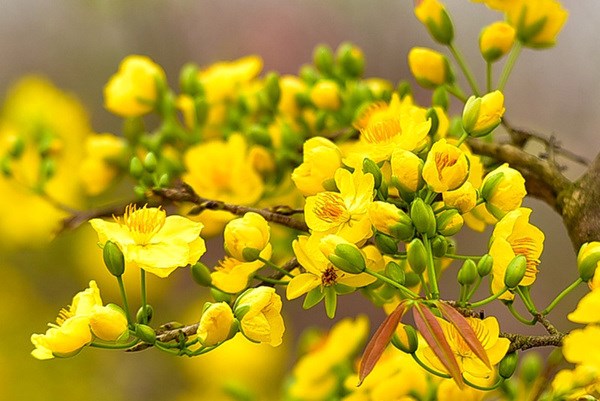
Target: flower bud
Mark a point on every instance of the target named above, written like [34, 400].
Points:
[430, 68]
[108, 322]
[272, 89]
[343, 254]
[449, 222]
[407, 170]
[496, 40]
[323, 59]
[481, 115]
[515, 271]
[144, 314]
[386, 244]
[439, 246]
[219, 295]
[201, 274]
[136, 168]
[508, 365]
[326, 95]
[422, 217]
[150, 162]
[188, 80]
[391, 220]
[503, 190]
[145, 333]
[216, 325]
[405, 339]
[351, 60]
[464, 198]
[249, 232]
[113, 258]
[467, 274]
[485, 264]
[446, 167]
[394, 271]
[412, 279]
[434, 16]
[417, 256]
[537, 23]
[588, 259]
[369, 166]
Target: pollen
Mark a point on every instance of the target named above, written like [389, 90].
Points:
[330, 207]
[382, 131]
[143, 223]
[63, 315]
[442, 162]
[329, 276]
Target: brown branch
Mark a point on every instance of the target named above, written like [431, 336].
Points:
[79, 217]
[185, 193]
[523, 342]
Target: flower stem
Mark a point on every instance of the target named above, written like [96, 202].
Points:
[492, 387]
[144, 303]
[526, 298]
[462, 138]
[488, 76]
[560, 296]
[489, 299]
[462, 257]
[271, 280]
[435, 292]
[274, 266]
[427, 368]
[474, 288]
[456, 92]
[392, 283]
[518, 316]
[510, 63]
[125, 303]
[115, 346]
[464, 67]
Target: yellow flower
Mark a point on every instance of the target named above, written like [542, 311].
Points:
[319, 270]
[108, 323]
[513, 236]
[63, 340]
[250, 231]
[588, 309]
[430, 68]
[390, 220]
[326, 95]
[446, 167]
[496, 40]
[224, 79]
[448, 390]
[473, 368]
[152, 241]
[463, 199]
[537, 23]
[387, 127]
[261, 319]
[503, 190]
[481, 115]
[232, 275]
[321, 160]
[407, 170]
[290, 87]
[234, 181]
[575, 384]
[434, 16]
[582, 346]
[132, 91]
[344, 213]
[588, 261]
[99, 167]
[498, 5]
[216, 324]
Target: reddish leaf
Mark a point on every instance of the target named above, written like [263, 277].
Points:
[465, 330]
[379, 341]
[432, 332]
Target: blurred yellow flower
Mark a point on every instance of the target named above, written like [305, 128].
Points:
[430, 68]
[224, 79]
[513, 236]
[132, 91]
[537, 23]
[446, 167]
[290, 87]
[260, 319]
[582, 346]
[152, 241]
[232, 275]
[326, 95]
[588, 309]
[321, 160]
[100, 165]
[216, 324]
[496, 40]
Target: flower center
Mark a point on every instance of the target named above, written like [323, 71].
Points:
[527, 247]
[442, 162]
[330, 207]
[382, 131]
[63, 315]
[329, 276]
[143, 223]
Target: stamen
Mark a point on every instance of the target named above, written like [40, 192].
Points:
[329, 276]
[382, 131]
[330, 207]
[143, 223]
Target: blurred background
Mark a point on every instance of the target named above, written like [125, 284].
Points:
[78, 45]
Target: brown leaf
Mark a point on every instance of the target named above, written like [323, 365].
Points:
[432, 332]
[465, 330]
[379, 341]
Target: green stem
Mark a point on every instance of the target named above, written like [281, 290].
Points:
[115, 346]
[456, 92]
[125, 303]
[274, 266]
[488, 299]
[270, 280]
[474, 288]
[518, 316]
[488, 76]
[524, 294]
[464, 67]
[463, 294]
[427, 368]
[462, 138]
[435, 292]
[172, 351]
[462, 257]
[510, 63]
[493, 387]
[392, 283]
[560, 296]
[144, 303]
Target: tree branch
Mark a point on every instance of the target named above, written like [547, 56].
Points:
[523, 342]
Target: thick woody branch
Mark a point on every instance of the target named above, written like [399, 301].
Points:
[519, 342]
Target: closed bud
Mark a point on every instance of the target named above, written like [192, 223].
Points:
[405, 339]
[323, 59]
[326, 95]
[369, 166]
[467, 274]
[144, 314]
[394, 271]
[417, 256]
[201, 274]
[508, 365]
[164, 181]
[259, 135]
[150, 162]
[515, 271]
[496, 40]
[481, 115]
[343, 254]
[587, 260]
[386, 244]
[434, 16]
[272, 88]
[188, 80]
[351, 60]
[136, 168]
[310, 75]
[391, 220]
[404, 89]
[503, 190]
[145, 333]
[407, 169]
[440, 98]
[422, 217]
[531, 367]
[449, 222]
[485, 264]
[439, 246]
[113, 258]
[430, 68]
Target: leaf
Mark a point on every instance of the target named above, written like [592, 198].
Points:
[330, 302]
[379, 341]
[313, 297]
[432, 332]
[465, 330]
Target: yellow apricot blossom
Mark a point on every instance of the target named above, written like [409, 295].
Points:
[513, 236]
[260, 320]
[430, 68]
[152, 241]
[344, 213]
[588, 309]
[496, 40]
[446, 167]
[250, 231]
[537, 23]
[216, 324]
[223, 79]
[321, 160]
[99, 168]
[503, 190]
[582, 346]
[232, 275]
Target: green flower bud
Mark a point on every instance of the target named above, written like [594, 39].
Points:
[164, 181]
[439, 246]
[394, 271]
[113, 258]
[417, 256]
[531, 367]
[404, 89]
[351, 60]
[422, 217]
[369, 166]
[481, 115]
[411, 279]
[588, 259]
[323, 59]
[440, 98]
[201, 107]
[188, 80]
[201, 274]
[150, 162]
[259, 134]
[406, 339]
[467, 274]
[515, 271]
[308, 74]
[508, 365]
[48, 168]
[136, 168]
[145, 333]
[17, 148]
[272, 88]
[144, 316]
[348, 258]
[250, 254]
[386, 244]
[485, 264]
[449, 222]
[434, 16]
